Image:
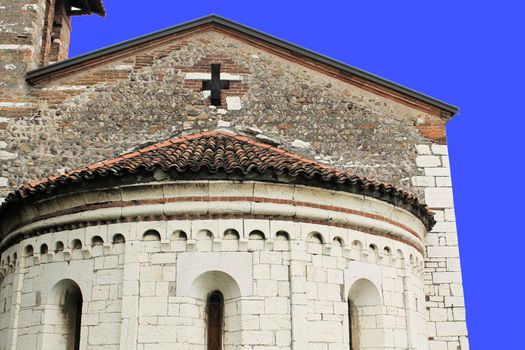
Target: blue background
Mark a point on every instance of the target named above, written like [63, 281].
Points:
[467, 53]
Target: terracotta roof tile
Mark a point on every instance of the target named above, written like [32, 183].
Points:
[220, 152]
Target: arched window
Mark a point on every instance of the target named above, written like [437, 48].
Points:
[65, 312]
[214, 320]
[72, 310]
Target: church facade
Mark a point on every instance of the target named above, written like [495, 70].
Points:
[212, 187]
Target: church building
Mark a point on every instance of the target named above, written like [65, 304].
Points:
[212, 187]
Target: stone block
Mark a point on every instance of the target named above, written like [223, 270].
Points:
[423, 149]
[446, 277]
[153, 306]
[428, 161]
[442, 251]
[443, 181]
[450, 329]
[279, 272]
[276, 305]
[439, 197]
[423, 181]
[440, 149]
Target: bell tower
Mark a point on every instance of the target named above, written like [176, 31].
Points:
[34, 34]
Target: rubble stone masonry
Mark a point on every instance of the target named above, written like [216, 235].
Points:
[147, 93]
[101, 111]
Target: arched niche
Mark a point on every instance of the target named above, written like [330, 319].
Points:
[179, 239]
[210, 289]
[63, 316]
[204, 240]
[151, 241]
[281, 241]
[209, 281]
[256, 240]
[314, 243]
[29, 251]
[230, 240]
[44, 249]
[97, 246]
[365, 316]
[119, 243]
[337, 246]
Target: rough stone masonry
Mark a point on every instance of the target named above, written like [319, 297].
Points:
[95, 108]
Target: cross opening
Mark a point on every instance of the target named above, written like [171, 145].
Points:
[215, 84]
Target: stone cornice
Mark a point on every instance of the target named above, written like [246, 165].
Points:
[217, 199]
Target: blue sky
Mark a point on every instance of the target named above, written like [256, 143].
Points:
[468, 53]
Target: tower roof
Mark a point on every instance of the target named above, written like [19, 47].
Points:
[221, 155]
[87, 7]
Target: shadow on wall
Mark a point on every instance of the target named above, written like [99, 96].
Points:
[365, 315]
[63, 313]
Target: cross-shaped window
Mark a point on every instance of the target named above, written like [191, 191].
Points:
[215, 84]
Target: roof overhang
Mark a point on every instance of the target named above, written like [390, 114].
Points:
[86, 7]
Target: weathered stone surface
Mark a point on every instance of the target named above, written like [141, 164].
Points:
[88, 117]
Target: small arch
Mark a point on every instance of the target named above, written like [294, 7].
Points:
[231, 234]
[338, 241]
[59, 246]
[44, 249]
[256, 240]
[314, 243]
[315, 237]
[118, 238]
[179, 235]
[76, 244]
[256, 235]
[357, 245]
[373, 253]
[282, 236]
[400, 259]
[387, 251]
[8, 260]
[151, 235]
[282, 241]
[204, 235]
[356, 250]
[204, 240]
[210, 281]
[337, 246]
[230, 240]
[28, 250]
[96, 241]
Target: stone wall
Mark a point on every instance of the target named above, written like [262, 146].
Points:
[133, 293]
[443, 283]
[152, 94]
[286, 283]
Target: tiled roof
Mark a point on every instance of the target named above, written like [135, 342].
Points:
[220, 152]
